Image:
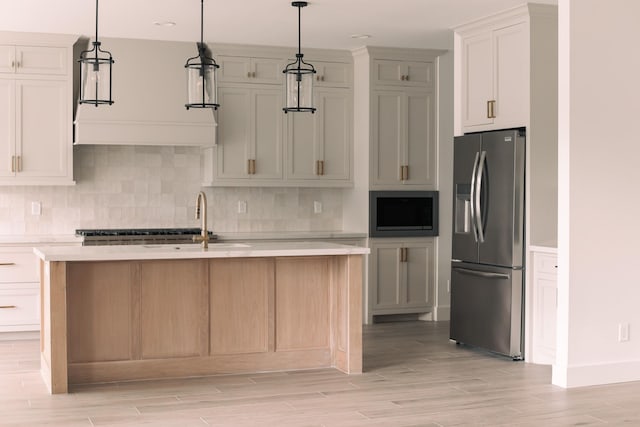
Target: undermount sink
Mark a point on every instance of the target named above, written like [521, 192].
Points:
[197, 246]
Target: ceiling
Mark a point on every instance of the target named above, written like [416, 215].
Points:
[325, 23]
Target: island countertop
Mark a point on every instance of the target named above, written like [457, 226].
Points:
[195, 251]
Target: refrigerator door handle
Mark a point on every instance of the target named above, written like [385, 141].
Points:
[485, 274]
[472, 196]
[477, 192]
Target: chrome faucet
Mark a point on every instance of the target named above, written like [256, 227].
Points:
[201, 203]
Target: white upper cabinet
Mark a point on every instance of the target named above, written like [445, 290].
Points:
[240, 69]
[258, 145]
[36, 95]
[42, 60]
[403, 73]
[250, 135]
[319, 145]
[332, 74]
[497, 60]
[403, 146]
[495, 78]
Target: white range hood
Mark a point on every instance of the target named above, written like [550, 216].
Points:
[149, 93]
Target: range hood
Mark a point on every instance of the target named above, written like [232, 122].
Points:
[149, 93]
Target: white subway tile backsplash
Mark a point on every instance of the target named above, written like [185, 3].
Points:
[127, 186]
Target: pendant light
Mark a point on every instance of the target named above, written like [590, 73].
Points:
[298, 82]
[95, 73]
[201, 75]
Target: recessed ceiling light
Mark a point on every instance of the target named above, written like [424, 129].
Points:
[165, 23]
[360, 36]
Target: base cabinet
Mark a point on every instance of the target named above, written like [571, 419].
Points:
[156, 319]
[401, 276]
[545, 305]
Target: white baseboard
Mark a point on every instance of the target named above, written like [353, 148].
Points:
[589, 375]
[14, 336]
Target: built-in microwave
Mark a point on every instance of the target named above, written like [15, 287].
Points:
[403, 213]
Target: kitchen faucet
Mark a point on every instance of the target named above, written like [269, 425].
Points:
[201, 203]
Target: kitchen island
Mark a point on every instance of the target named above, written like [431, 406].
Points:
[116, 313]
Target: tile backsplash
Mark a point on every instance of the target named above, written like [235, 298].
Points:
[136, 186]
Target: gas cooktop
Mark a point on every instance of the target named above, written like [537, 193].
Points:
[137, 236]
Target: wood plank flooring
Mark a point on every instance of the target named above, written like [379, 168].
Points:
[413, 377]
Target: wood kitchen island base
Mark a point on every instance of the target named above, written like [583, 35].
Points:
[122, 320]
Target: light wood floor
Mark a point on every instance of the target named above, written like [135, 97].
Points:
[413, 377]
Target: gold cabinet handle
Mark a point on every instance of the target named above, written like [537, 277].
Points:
[321, 167]
[7, 263]
[248, 74]
[406, 172]
[404, 254]
[252, 166]
[19, 165]
[318, 167]
[8, 306]
[248, 166]
[491, 109]
[13, 163]
[406, 78]
[322, 78]
[401, 173]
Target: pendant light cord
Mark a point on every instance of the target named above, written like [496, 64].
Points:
[201, 21]
[299, 37]
[96, 20]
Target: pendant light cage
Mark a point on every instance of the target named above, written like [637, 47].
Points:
[202, 91]
[299, 76]
[95, 73]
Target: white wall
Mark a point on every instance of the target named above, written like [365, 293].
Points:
[599, 91]
[445, 181]
[127, 186]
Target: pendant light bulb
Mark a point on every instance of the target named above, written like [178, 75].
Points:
[95, 73]
[299, 77]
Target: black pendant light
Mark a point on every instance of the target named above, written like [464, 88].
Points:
[299, 78]
[201, 75]
[95, 73]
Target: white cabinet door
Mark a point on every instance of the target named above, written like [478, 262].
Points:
[494, 78]
[511, 76]
[477, 80]
[387, 137]
[420, 275]
[319, 145]
[250, 135]
[544, 307]
[332, 74]
[7, 128]
[240, 69]
[41, 60]
[234, 121]
[267, 134]
[7, 59]
[420, 142]
[403, 139]
[401, 276]
[403, 73]
[41, 128]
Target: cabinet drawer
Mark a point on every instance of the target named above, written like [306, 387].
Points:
[18, 265]
[546, 263]
[19, 306]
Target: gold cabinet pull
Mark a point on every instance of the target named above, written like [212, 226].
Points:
[406, 172]
[322, 78]
[318, 167]
[404, 253]
[248, 166]
[401, 173]
[321, 167]
[8, 306]
[406, 77]
[13, 163]
[7, 263]
[248, 74]
[491, 114]
[19, 165]
[253, 166]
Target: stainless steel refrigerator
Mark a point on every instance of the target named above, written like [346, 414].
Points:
[487, 267]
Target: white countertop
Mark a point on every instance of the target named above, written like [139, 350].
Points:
[37, 239]
[288, 235]
[191, 251]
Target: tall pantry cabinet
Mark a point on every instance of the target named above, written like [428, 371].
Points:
[36, 108]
